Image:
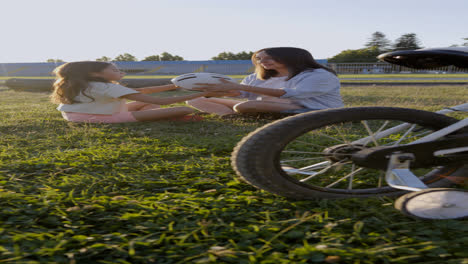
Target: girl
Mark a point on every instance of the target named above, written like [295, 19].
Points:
[87, 92]
[286, 80]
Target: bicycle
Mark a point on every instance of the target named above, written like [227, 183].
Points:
[366, 152]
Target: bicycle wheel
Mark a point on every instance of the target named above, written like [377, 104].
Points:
[308, 156]
[432, 204]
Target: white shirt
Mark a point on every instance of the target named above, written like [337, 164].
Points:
[273, 83]
[106, 99]
[312, 88]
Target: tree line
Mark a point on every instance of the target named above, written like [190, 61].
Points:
[166, 56]
[377, 44]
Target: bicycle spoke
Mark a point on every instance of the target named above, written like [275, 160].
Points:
[404, 135]
[305, 170]
[341, 135]
[378, 131]
[381, 177]
[369, 131]
[344, 178]
[322, 171]
[415, 136]
[296, 171]
[327, 136]
[312, 144]
[350, 183]
[284, 161]
[302, 152]
[316, 166]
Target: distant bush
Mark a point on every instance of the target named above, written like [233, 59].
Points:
[358, 55]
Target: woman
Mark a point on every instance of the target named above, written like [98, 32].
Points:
[286, 80]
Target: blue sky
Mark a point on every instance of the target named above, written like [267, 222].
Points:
[35, 31]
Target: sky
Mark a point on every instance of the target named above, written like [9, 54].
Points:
[34, 31]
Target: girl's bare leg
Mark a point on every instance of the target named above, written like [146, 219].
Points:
[138, 106]
[263, 107]
[150, 106]
[217, 106]
[162, 113]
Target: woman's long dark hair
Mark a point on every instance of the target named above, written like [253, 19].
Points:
[73, 78]
[296, 60]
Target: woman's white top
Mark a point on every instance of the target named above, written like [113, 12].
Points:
[313, 89]
[106, 99]
[273, 83]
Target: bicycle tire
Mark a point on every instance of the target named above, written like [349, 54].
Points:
[255, 159]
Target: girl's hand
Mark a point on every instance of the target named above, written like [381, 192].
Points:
[217, 87]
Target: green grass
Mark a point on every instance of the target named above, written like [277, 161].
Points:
[390, 81]
[414, 75]
[164, 192]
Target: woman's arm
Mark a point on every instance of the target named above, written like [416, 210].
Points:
[156, 89]
[230, 86]
[261, 90]
[168, 100]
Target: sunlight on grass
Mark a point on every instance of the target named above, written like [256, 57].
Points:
[164, 192]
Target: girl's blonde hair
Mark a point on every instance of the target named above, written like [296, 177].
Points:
[72, 78]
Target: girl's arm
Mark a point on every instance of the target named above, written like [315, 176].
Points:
[156, 89]
[168, 100]
[230, 86]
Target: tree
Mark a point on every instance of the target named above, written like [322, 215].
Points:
[165, 56]
[358, 55]
[466, 43]
[378, 40]
[54, 60]
[231, 56]
[104, 58]
[125, 57]
[152, 58]
[407, 42]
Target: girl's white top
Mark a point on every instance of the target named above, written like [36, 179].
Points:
[313, 89]
[106, 99]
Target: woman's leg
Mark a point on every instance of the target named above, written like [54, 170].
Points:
[263, 107]
[138, 106]
[162, 113]
[217, 106]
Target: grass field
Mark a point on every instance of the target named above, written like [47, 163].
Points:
[415, 75]
[164, 192]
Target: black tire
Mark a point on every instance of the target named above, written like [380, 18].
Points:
[418, 204]
[256, 158]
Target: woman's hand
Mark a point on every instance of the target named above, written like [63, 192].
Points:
[224, 86]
